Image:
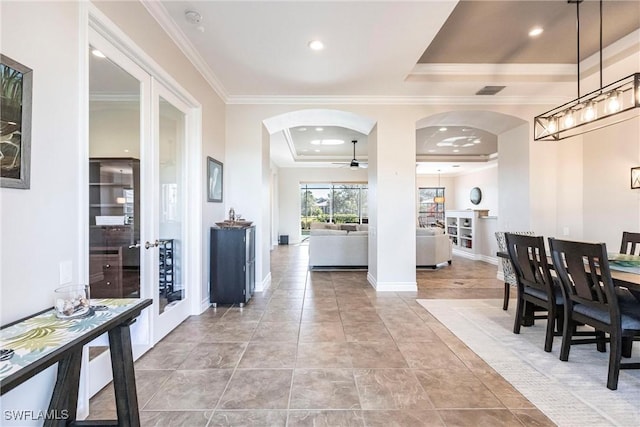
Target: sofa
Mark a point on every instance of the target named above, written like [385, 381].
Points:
[338, 245]
[347, 245]
[433, 247]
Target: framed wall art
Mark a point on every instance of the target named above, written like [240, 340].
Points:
[214, 180]
[16, 83]
[635, 177]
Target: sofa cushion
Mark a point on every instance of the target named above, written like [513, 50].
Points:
[363, 227]
[328, 232]
[431, 231]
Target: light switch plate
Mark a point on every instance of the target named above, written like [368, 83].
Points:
[66, 273]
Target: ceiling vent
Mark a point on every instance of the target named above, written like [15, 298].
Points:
[490, 90]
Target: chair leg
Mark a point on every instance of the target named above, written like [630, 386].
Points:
[601, 345]
[517, 322]
[567, 334]
[505, 302]
[627, 346]
[551, 324]
[559, 319]
[614, 361]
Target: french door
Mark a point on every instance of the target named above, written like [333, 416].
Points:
[137, 120]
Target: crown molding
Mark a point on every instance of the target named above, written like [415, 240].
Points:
[398, 100]
[160, 14]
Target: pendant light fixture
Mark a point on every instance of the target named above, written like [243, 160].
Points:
[606, 106]
[438, 199]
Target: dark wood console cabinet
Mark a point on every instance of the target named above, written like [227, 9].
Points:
[232, 274]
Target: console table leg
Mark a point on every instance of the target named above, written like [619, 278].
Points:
[64, 401]
[124, 381]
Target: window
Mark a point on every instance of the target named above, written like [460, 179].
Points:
[431, 209]
[332, 202]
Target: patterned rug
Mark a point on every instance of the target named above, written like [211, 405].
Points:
[572, 393]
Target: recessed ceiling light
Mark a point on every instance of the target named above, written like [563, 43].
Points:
[535, 31]
[317, 151]
[468, 144]
[97, 53]
[476, 141]
[316, 45]
[456, 151]
[319, 129]
[302, 129]
[126, 151]
[466, 130]
[442, 129]
[327, 142]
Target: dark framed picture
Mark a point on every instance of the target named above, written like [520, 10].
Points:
[214, 180]
[635, 177]
[16, 82]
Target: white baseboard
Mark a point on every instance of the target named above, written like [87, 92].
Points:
[265, 284]
[489, 259]
[465, 254]
[204, 305]
[500, 275]
[392, 286]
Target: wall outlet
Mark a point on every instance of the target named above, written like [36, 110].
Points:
[66, 272]
[565, 231]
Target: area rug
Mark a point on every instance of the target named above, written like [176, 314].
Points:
[572, 393]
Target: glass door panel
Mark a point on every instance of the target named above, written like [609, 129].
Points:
[171, 195]
[114, 179]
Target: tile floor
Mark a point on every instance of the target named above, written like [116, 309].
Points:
[324, 349]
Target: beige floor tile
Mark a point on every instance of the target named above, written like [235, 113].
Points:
[480, 418]
[402, 418]
[269, 355]
[257, 389]
[456, 388]
[324, 389]
[214, 356]
[175, 418]
[325, 419]
[190, 390]
[321, 332]
[267, 418]
[323, 355]
[390, 389]
[376, 355]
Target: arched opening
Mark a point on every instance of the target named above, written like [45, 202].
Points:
[296, 142]
[461, 153]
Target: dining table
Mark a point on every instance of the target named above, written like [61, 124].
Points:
[625, 269]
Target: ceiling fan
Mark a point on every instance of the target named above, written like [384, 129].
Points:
[354, 164]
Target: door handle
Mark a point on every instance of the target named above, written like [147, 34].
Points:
[148, 245]
[137, 245]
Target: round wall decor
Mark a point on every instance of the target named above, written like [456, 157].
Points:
[475, 196]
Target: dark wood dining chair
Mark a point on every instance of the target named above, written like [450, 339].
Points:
[630, 243]
[591, 298]
[535, 283]
[508, 274]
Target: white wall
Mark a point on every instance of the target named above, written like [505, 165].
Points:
[40, 227]
[610, 206]
[289, 180]
[513, 179]
[486, 180]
